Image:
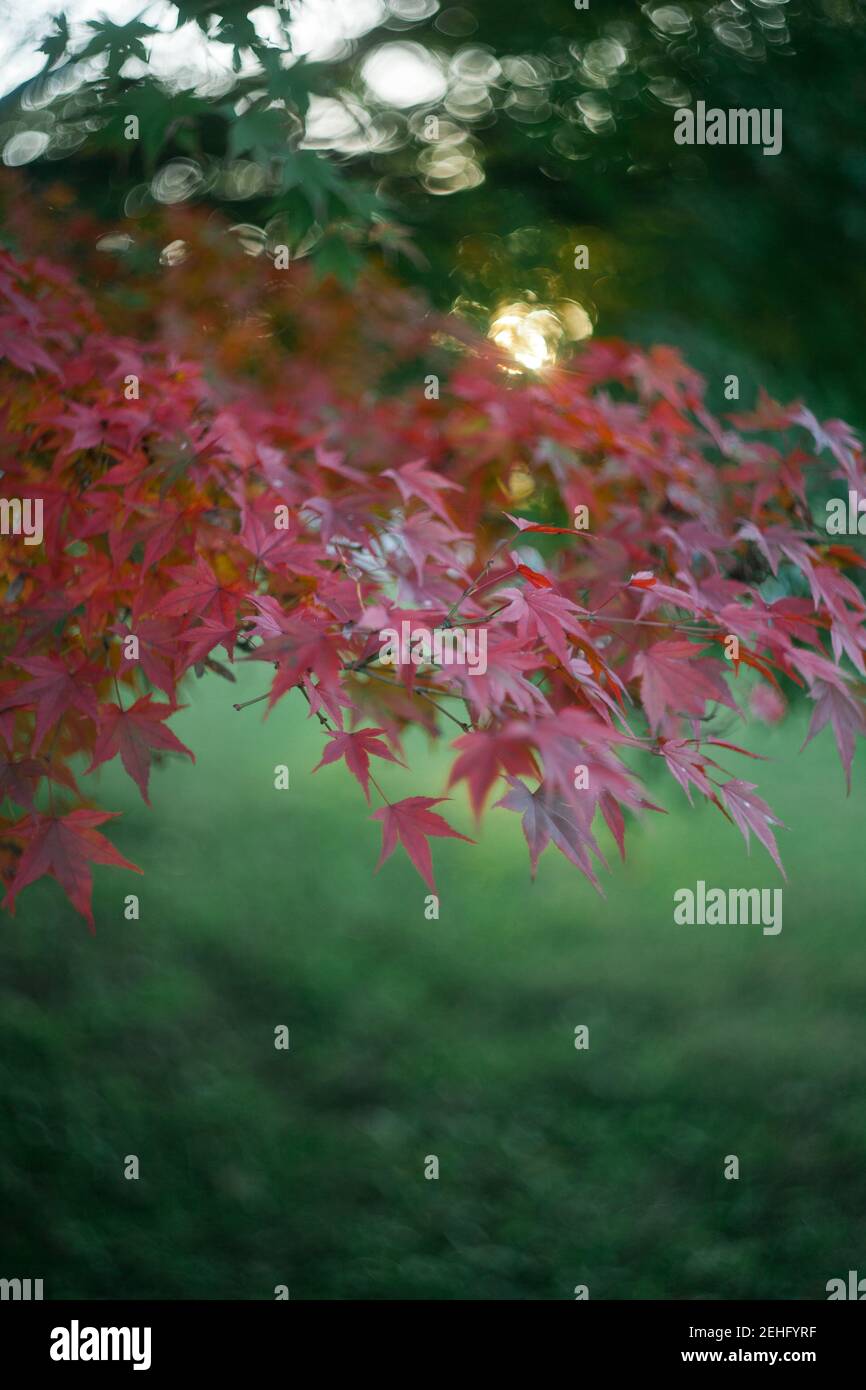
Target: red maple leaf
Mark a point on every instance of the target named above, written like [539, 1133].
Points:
[662, 371]
[834, 704]
[272, 546]
[486, 755]
[502, 680]
[535, 577]
[20, 777]
[54, 689]
[198, 593]
[160, 521]
[134, 733]
[549, 817]
[675, 680]
[425, 539]
[749, 812]
[539, 613]
[210, 633]
[414, 480]
[412, 822]
[63, 847]
[21, 348]
[356, 748]
[523, 525]
[688, 765]
[306, 643]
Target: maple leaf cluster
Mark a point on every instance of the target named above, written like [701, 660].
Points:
[267, 494]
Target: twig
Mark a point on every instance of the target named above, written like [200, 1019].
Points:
[421, 692]
[255, 701]
[474, 583]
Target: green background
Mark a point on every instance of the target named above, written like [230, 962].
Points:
[409, 1038]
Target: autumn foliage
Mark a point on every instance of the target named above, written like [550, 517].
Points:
[282, 488]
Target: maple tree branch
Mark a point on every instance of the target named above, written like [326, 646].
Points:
[378, 788]
[336, 588]
[474, 583]
[488, 617]
[648, 622]
[322, 718]
[421, 692]
[363, 664]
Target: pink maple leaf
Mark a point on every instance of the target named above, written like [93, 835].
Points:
[549, 817]
[675, 680]
[411, 822]
[749, 812]
[356, 748]
[540, 613]
[414, 480]
[834, 705]
[486, 754]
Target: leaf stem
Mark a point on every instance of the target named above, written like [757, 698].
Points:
[257, 699]
[421, 692]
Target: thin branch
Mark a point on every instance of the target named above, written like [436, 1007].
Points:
[474, 583]
[645, 622]
[257, 699]
[421, 692]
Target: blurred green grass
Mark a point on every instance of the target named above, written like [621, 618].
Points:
[408, 1037]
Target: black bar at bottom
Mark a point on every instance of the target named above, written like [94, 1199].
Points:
[160, 1339]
